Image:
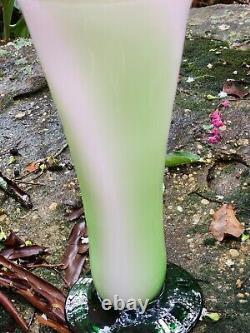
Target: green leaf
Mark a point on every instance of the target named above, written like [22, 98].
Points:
[207, 127]
[214, 316]
[12, 160]
[211, 97]
[19, 29]
[245, 237]
[181, 157]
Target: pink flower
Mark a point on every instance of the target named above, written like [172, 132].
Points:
[215, 132]
[216, 114]
[226, 104]
[217, 122]
[216, 119]
[215, 136]
[213, 140]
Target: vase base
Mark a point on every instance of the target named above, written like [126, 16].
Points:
[176, 310]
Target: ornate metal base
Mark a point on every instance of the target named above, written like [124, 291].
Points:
[176, 310]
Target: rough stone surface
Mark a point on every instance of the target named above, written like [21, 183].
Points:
[229, 23]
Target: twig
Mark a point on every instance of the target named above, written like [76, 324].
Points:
[61, 150]
[12, 189]
[30, 183]
[32, 318]
[207, 197]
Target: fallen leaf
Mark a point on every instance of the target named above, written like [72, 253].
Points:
[75, 214]
[235, 88]
[76, 253]
[10, 308]
[245, 237]
[38, 292]
[13, 241]
[24, 252]
[210, 97]
[225, 223]
[178, 158]
[43, 320]
[214, 316]
[32, 167]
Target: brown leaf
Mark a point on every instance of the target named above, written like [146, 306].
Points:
[24, 252]
[74, 269]
[75, 254]
[39, 298]
[13, 241]
[10, 308]
[235, 88]
[75, 214]
[35, 280]
[225, 223]
[50, 323]
[32, 167]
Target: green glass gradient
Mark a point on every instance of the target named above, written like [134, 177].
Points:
[112, 68]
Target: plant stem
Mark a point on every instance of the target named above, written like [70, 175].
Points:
[8, 6]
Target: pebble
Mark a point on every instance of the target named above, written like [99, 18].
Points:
[180, 209]
[240, 295]
[196, 219]
[229, 262]
[205, 202]
[239, 283]
[3, 217]
[211, 212]
[243, 142]
[53, 206]
[20, 115]
[234, 253]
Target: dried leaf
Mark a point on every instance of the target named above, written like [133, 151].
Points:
[32, 167]
[75, 254]
[225, 223]
[13, 241]
[50, 323]
[33, 279]
[24, 252]
[10, 308]
[75, 214]
[74, 269]
[38, 292]
[235, 88]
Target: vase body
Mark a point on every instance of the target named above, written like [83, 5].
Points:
[112, 67]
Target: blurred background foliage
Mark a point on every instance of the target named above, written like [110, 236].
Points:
[12, 23]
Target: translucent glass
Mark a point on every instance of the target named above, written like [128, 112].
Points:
[112, 67]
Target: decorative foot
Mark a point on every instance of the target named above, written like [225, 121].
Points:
[176, 310]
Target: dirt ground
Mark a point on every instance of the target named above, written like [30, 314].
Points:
[216, 49]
